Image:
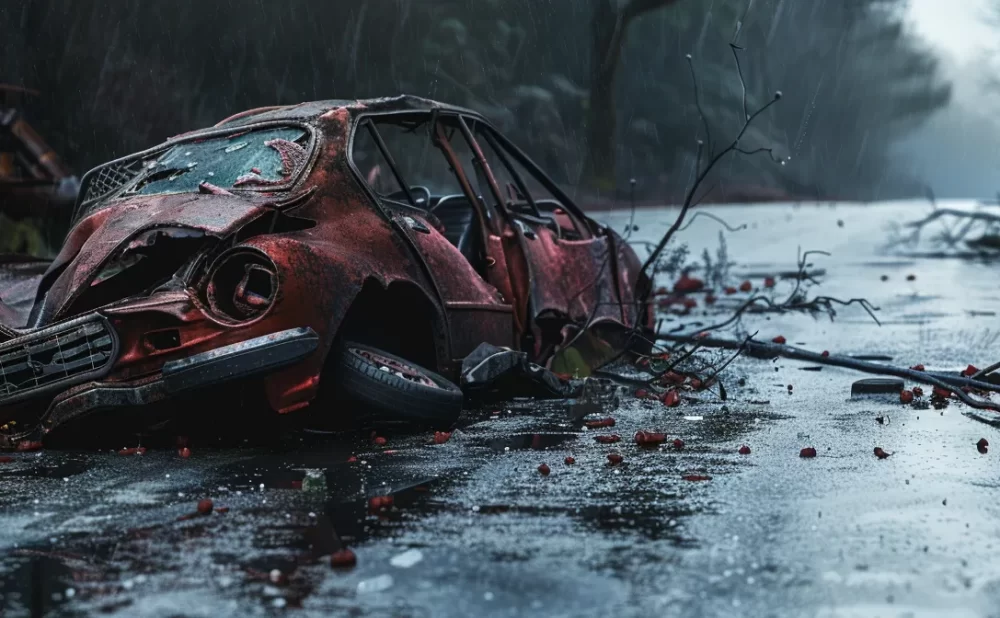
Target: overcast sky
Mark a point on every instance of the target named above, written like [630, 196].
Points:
[957, 153]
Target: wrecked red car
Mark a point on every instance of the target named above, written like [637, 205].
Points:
[293, 249]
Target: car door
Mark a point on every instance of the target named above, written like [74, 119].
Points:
[575, 268]
[416, 165]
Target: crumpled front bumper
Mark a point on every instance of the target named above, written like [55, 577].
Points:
[68, 363]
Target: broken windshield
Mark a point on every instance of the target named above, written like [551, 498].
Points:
[252, 159]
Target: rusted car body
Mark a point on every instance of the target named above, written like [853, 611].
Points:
[247, 249]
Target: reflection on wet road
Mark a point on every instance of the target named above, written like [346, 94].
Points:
[474, 529]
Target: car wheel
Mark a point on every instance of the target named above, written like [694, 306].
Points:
[395, 387]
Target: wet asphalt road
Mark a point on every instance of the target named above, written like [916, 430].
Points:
[476, 530]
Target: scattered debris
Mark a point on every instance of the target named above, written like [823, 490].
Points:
[678, 444]
[614, 459]
[744, 450]
[671, 399]
[440, 437]
[205, 506]
[184, 452]
[599, 423]
[608, 439]
[695, 478]
[906, 396]
[881, 454]
[780, 340]
[807, 452]
[983, 446]
[544, 469]
[569, 461]
[649, 438]
[343, 559]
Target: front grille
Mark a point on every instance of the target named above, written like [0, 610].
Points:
[56, 357]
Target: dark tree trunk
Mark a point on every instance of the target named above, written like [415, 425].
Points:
[608, 27]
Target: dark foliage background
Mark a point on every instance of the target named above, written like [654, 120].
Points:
[121, 75]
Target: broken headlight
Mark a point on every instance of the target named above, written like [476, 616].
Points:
[242, 285]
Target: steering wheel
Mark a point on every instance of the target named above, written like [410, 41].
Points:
[424, 201]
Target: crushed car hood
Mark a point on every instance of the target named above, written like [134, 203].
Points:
[106, 233]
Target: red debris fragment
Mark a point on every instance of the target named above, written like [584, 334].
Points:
[649, 438]
[440, 437]
[825, 354]
[918, 392]
[28, 445]
[377, 503]
[696, 384]
[544, 469]
[6, 459]
[769, 282]
[678, 444]
[184, 452]
[942, 393]
[780, 340]
[600, 422]
[642, 393]
[222, 510]
[880, 453]
[905, 396]
[688, 284]
[694, 478]
[569, 461]
[982, 446]
[807, 452]
[672, 378]
[917, 368]
[671, 399]
[205, 506]
[730, 291]
[352, 459]
[140, 450]
[608, 439]
[746, 286]
[380, 441]
[689, 303]
[970, 371]
[614, 459]
[744, 450]
[343, 559]
[710, 299]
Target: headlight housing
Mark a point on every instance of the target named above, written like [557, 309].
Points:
[242, 285]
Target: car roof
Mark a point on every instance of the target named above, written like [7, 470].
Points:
[355, 107]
